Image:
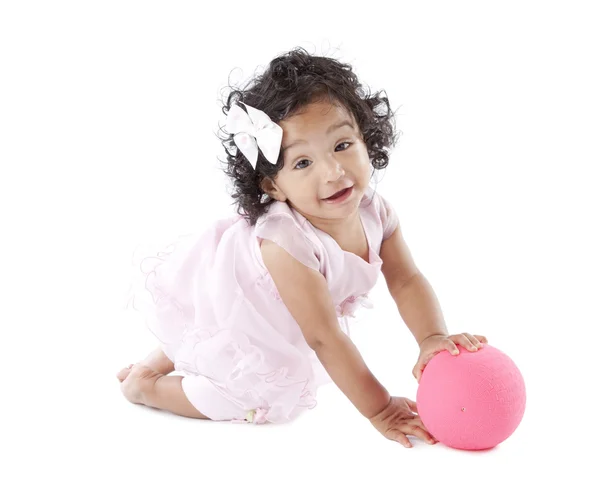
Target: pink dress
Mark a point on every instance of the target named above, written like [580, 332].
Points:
[217, 314]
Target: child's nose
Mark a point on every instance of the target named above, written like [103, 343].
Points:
[334, 170]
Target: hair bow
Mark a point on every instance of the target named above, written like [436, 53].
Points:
[254, 130]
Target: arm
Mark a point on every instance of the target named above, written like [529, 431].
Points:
[417, 303]
[305, 293]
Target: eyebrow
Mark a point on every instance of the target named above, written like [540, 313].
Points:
[329, 130]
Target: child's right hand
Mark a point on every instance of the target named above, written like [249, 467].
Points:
[400, 418]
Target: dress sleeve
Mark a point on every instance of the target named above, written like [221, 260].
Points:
[389, 219]
[284, 230]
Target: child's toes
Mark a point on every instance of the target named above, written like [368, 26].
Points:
[123, 373]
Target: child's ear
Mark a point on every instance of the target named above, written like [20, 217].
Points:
[271, 189]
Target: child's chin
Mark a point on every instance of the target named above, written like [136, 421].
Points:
[340, 212]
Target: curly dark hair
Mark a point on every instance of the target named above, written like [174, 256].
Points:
[291, 82]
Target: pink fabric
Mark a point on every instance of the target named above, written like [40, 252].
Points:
[471, 401]
[212, 304]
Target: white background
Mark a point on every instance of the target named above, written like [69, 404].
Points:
[108, 120]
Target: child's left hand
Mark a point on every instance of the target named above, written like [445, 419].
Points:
[439, 342]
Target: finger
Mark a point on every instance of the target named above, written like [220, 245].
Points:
[482, 339]
[464, 341]
[398, 436]
[473, 340]
[418, 370]
[420, 432]
[421, 364]
[450, 346]
[412, 405]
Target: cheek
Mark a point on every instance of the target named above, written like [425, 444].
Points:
[364, 167]
[301, 187]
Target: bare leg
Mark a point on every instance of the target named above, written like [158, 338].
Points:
[143, 385]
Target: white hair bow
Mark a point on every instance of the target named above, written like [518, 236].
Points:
[253, 130]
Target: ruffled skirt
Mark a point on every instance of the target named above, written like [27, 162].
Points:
[199, 296]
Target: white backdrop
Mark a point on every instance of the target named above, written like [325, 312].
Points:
[108, 116]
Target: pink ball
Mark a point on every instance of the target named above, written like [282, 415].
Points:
[472, 401]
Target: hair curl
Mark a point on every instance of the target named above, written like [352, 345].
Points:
[291, 82]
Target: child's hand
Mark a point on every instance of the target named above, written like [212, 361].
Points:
[398, 419]
[438, 342]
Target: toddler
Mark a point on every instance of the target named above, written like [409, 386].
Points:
[254, 311]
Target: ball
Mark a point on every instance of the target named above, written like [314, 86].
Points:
[472, 401]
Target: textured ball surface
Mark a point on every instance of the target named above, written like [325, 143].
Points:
[472, 401]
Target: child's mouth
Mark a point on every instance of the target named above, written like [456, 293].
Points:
[340, 195]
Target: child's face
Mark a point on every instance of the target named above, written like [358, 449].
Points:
[319, 163]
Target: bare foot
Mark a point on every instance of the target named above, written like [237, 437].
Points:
[123, 373]
[135, 380]
[156, 360]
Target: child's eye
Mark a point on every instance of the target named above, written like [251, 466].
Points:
[302, 164]
[345, 143]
